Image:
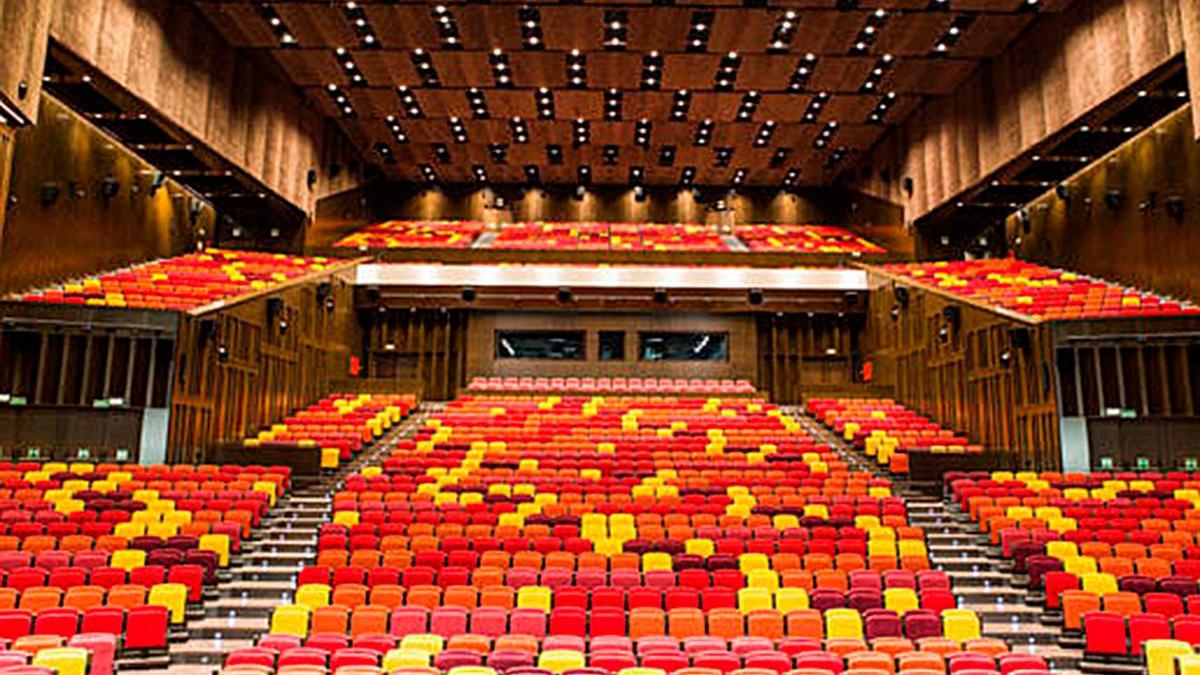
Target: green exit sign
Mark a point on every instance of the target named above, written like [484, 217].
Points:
[1143, 463]
[1190, 463]
[1106, 463]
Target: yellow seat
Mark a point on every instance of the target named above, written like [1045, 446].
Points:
[405, 658]
[534, 596]
[767, 579]
[330, 458]
[347, 518]
[173, 597]
[1100, 583]
[791, 598]
[960, 624]
[560, 660]
[63, 660]
[1062, 549]
[843, 623]
[145, 517]
[656, 560]
[130, 529]
[1189, 664]
[313, 596]
[177, 517]
[750, 599]
[162, 530]
[290, 620]
[217, 543]
[1161, 655]
[1080, 565]
[912, 548]
[128, 559]
[901, 600]
[700, 547]
[748, 562]
[424, 642]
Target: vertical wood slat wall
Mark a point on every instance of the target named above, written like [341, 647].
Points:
[268, 373]
[795, 355]
[425, 346]
[963, 381]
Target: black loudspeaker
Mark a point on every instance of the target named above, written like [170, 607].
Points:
[468, 294]
[1021, 339]
[901, 295]
[660, 296]
[373, 293]
[206, 331]
[953, 316]
[565, 295]
[850, 299]
[755, 296]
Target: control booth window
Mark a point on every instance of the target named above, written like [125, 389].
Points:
[540, 344]
[683, 346]
[612, 345]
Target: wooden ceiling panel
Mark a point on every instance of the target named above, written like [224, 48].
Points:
[622, 70]
[929, 76]
[567, 27]
[403, 26]
[310, 68]
[387, 69]
[690, 71]
[828, 32]
[741, 31]
[463, 69]
[912, 34]
[538, 69]
[841, 73]
[766, 73]
[400, 26]
[316, 25]
[662, 29]
[783, 107]
[241, 24]
[990, 34]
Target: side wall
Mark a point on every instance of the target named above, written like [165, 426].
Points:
[82, 231]
[167, 55]
[961, 381]
[268, 372]
[1065, 65]
[1140, 242]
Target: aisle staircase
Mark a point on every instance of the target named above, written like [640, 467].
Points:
[979, 577]
[263, 576]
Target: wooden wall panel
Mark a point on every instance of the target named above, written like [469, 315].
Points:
[167, 55]
[267, 374]
[1062, 67]
[799, 354]
[7, 143]
[962, 381]
[481, 361]
[424, 347]
[23, 52]
[1140, 242]
[1189, 15]
[82, 232]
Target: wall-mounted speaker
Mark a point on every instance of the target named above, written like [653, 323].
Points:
[953, 316]
[901, 295]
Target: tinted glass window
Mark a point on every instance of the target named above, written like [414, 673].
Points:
[539, 344]
[612, 345]
[683, 346]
